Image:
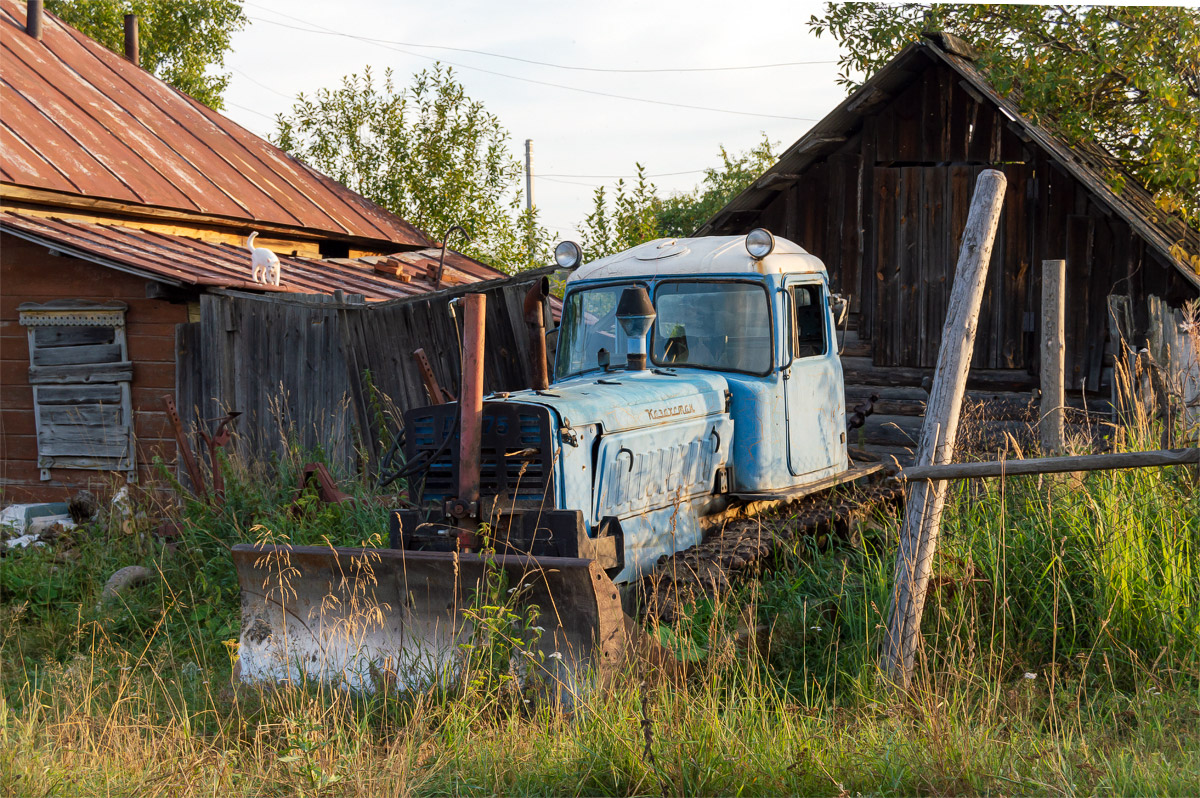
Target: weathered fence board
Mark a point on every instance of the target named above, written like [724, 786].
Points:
[333, 373]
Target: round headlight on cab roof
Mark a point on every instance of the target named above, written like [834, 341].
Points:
[568, 255]
[760, 243]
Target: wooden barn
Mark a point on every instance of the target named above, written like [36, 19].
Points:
[880, 190]
[123, 205]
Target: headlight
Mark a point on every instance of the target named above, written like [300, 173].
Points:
[759, 243]
[568, 255]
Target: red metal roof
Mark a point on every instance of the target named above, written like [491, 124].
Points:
[181, 260]
[77, 118]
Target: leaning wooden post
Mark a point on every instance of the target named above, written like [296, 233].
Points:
[923, 516]
[1054, 280]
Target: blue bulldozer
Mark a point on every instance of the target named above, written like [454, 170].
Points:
[691, 377]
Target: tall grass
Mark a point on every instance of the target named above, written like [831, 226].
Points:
[1060, 656]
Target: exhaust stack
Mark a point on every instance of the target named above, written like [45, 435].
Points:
[33, 19]
[133, 51]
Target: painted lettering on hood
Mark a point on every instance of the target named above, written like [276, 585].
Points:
[668, 412]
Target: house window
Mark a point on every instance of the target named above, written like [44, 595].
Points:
[80, 372]
[809, 319]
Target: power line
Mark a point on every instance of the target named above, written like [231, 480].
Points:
[610, 177]
[263, 85]
[552, 177]
[529, 80]
[570, 67]
[567, 182]
[252, 111]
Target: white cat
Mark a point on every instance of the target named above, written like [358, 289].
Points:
[264, 264]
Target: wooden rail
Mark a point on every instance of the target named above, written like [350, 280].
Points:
[1052, 465]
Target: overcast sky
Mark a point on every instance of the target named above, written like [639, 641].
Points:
[576, 136]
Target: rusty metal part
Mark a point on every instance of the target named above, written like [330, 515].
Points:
[180, 260]
[437, 282]
[745, 545]
[185, 449]
[33, 19]
[327, 489]
[437, 394]
[401, 619]
[535, 320]
[861, 411]
[133, 52]
[215, 442]
[470, 402]
[143, 144]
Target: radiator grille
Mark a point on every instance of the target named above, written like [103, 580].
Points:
[516, 455]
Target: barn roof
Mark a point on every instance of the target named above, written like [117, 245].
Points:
[184, 261]
[78, 121]
[1135, 205]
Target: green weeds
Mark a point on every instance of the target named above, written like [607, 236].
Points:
[1061, 656]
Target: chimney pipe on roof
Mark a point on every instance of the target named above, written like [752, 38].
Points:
[33, 19]
[132, 51]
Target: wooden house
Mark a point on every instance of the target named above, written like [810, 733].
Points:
[880, 189]
[122, 203]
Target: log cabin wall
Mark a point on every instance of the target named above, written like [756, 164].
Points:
[885, 210]
[29, 273]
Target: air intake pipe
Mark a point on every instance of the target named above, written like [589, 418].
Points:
[635, 313]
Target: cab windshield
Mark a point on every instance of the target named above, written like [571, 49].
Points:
[720, 325]
[589, 333]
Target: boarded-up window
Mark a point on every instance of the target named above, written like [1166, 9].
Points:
[80, 372]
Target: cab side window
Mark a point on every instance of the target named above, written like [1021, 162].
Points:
[808, 321]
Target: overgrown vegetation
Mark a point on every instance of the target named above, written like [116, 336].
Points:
[427, 152]
[630, 213]
[1062, 655]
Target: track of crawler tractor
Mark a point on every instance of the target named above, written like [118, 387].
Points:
[740, 546]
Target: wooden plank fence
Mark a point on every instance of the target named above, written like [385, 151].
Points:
[333, 373]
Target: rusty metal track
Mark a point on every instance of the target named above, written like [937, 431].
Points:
[743, 546]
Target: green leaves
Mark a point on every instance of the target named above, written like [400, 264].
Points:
[1125, 77]
[183, 42]
[637, 212]
[428, 153]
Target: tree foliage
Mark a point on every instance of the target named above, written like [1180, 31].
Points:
[637, 212]
[631, 218]
[183, 42]
[428, 153]
[682, 214]
[1126, 77]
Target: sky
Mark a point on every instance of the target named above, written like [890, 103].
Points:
[580, 139]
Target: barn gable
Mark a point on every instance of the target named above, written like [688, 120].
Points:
[880, 189]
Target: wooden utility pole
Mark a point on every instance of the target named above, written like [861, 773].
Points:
[1054, 281]
[923, 518]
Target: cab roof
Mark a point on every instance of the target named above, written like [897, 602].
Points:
[665, 257]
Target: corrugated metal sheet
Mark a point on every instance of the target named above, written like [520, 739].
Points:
[184, 261]
[77, 118]
[1134, 204]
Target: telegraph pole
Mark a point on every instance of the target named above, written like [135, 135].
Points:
[529, 175]
[529, 242]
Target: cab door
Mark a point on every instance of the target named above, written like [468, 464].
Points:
[815, 401]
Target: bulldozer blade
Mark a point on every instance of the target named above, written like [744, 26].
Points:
[369, 619]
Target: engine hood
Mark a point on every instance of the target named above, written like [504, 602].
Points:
[625, 400]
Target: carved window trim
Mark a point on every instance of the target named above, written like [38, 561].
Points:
[81, 376]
